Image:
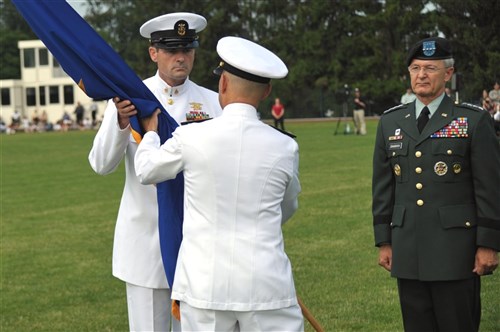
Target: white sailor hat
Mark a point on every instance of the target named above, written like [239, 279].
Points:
[175, 30]
[248, 60]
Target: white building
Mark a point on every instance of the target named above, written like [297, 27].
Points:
[43, 86]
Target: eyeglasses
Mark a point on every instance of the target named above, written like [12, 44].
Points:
[415, 69]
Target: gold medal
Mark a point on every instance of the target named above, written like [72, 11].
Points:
[397, 170]
[170, 101]
[440, 168]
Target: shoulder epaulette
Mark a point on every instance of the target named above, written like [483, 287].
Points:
[284, 132]
[392, 109]
[472, 106]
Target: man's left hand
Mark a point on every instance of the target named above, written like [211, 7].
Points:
[151, 123]
[486, 261]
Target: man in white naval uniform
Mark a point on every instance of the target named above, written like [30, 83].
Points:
[241, 185]
[136, 251]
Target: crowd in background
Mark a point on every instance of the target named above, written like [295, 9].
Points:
[490, 101]
[39, 122]
[83, 120]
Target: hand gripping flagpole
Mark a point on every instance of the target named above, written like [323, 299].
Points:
[309, 316]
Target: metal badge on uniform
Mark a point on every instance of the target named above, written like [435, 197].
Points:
[397, 135]
[457, 168]
[397, 169]
[196, 106]
[455, 129]
[440, 168]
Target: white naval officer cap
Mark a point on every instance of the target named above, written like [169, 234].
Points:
[248, 60]
[175, 30]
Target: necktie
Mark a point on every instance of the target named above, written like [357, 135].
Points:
[423, 118]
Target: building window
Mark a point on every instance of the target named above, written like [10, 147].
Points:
[43, 56]
[69, 96]
[30, 96]
[5, 96]
[29, 57]
[41, 94]
[54, 94]
[57, 71]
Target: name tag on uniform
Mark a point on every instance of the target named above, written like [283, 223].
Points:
[396, 146]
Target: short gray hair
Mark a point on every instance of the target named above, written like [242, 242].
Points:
[449, 62]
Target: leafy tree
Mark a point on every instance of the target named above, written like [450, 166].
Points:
[119, 23]
[476, 48]
[326, 44]
[13, 28]
[389, 31]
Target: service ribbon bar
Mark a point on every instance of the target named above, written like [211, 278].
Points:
[457, 128]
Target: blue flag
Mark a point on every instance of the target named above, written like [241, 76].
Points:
[102, 74]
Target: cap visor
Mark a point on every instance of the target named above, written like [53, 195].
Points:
[176, 45]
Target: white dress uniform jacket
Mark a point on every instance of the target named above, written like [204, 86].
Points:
[241, 184]
[136, 249]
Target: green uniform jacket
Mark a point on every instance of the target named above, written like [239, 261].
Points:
[436, 195]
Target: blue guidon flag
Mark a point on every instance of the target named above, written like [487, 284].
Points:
[102, 74]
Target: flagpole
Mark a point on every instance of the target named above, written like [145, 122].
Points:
[310, 318]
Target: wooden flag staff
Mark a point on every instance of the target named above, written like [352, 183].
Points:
[310, 318]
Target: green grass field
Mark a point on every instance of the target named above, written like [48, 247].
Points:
[57, 224]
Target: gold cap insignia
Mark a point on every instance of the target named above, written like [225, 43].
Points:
[181, 27]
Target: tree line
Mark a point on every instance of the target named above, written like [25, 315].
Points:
[329, 46]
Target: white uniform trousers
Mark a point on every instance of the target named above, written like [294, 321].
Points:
[279, 320]
[150, 310]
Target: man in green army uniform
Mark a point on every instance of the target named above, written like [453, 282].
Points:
[436, 211]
